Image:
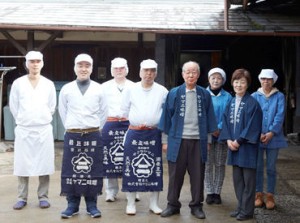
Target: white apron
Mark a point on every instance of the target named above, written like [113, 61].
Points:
[34, 151]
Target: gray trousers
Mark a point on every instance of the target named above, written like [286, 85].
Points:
[244, 182]
[189, 159]
[215, 168]
[42, 191]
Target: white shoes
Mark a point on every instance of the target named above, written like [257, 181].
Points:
[130, 208]
[153, 206]
[137, 197]
[110, 198]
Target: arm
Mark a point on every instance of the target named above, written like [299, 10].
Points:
[52, 99]
[276, 126]
[103, 109]
[125, 105]
[14, 100]
[62, 106]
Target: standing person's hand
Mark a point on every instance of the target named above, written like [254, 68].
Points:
[233, 145]
[265, 138]
[164, 147]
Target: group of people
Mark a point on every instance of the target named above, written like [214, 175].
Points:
[119, 129]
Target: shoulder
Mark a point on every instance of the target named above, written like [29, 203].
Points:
[279, 95]
[174, 90]
[47, 80]
[203, 91]
[129, 82]
[107, 83]
[95, 85]
[226, 93]
[249, 98]
[68, 85]
[251, 101]
[161, 87]
[20, 79]
[256, 94]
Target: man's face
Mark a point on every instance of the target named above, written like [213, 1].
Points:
[83, 70]
[148, 75]
[34, 66]
[190, 75]
[119, 72]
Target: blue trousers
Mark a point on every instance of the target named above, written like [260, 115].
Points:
[271, 158]
[74, 201]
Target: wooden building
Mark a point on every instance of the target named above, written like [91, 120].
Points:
[260, 34]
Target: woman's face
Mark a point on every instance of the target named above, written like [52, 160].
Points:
[266, 84]
[215, 81]
[240, 86]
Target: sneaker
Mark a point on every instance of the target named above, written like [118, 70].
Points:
[69, 212]
[19, 205]
[217, 199]
[44, 204]
[94, 212]
[210, 199]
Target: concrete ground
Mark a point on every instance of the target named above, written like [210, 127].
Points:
[287, 210]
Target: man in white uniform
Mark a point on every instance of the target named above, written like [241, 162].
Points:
[115, 127]
[83, 111]
[32, 103]
[142, 169]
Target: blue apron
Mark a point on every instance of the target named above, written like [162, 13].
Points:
[142, 169]
[82, 165]
[113, 149]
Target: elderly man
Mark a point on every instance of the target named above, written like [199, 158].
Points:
[115, 127]
[32, 103]
[188, 116]
[142, 169]
[83, 111]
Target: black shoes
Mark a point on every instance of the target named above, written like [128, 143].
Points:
[210, 199]
[169, 211]
[217, 199]
[213, 199]
[242, 217]
[198, 213]
[234, 214]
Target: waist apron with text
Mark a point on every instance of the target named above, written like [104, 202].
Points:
[82, 165]
[113, 149]
[142, 169]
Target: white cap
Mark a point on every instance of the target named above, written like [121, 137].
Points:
[34, 55]
[268, 73]
[146, 64]
[84, 57]
[219, 71]
[118, 62]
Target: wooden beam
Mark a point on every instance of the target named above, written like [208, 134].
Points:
[141, 40]
[30, 40]
[49, 40]
[226, 8]
[14, 42]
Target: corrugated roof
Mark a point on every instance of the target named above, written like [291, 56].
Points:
[168, 16]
